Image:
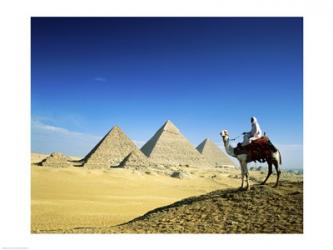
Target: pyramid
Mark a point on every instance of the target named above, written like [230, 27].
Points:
[110, 151]
[214, 154]
[169, 147]
[135, 159]
[56, 160]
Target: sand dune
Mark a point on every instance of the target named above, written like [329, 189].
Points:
[66, 198]
[79, 200]
[263, 209]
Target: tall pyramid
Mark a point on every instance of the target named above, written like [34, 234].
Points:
[110, 151]
[213, 154]
[169, 147]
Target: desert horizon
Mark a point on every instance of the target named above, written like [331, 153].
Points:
[63, 205]
[118, 188]
[167, 125]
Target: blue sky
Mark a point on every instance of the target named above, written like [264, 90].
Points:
[204, 74]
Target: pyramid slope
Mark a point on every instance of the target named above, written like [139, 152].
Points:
[110, 151]
[169, 147]
[56, 160]
[214, 154]
[135, 159]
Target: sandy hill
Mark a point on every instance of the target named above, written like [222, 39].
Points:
[213, 154]
[169, 147]
[82, 200]
[262, 209]
[56, 160]
[37, 157]
[110, 151]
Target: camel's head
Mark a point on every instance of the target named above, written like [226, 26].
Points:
[225, 135]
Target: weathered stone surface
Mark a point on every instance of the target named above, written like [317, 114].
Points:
[177, 174]
[213, 154]
[110, 151]
[136, 159]
[56, 160]
[169, 147]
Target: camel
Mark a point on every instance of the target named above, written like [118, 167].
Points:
[274, 158]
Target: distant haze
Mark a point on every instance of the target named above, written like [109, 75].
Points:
[48, 139]
[203, 74]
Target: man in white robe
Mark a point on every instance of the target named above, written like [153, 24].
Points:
[254, 134]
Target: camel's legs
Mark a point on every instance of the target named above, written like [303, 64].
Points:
[269, 173]
[242, 172]
[278, 172]
[241, 187]
[247, 181]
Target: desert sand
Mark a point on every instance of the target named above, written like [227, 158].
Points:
[262, 209]
[81, 200]
[116, 183]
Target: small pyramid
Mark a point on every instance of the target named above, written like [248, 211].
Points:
[135, 159]
[214, 154]
[110, 151]
[169, 147]
[56, 160]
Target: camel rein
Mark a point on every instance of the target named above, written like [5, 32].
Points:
[234, 139]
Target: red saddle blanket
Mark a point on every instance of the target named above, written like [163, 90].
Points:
[258, 150]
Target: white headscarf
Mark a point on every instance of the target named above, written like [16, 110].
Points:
[255, 131]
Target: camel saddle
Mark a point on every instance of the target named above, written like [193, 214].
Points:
[260, 149]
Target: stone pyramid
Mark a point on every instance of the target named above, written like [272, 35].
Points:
[110, 151]
[56, 160]
[135, 159]
[214, 154]
[169, 147]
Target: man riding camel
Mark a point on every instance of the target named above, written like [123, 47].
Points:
[254, 134]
